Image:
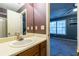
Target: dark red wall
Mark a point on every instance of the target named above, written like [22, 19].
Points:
[40, 17]
[29, 16]
[36, 16]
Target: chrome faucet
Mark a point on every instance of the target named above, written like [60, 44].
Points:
[19, 38]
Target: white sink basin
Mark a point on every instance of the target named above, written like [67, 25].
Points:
[22, 43]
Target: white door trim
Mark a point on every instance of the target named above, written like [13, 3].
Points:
[48, 27]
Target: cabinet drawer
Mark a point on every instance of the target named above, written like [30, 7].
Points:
[30, 52]
[43, 49]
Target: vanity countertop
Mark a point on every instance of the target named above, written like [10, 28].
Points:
[7, 50]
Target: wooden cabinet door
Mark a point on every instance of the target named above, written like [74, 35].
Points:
[43, 52]
[43, 49]
[37, 54]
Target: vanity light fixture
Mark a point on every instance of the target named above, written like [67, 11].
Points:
[31, 27]
[36, 27]
[42, 27]
[27, 28]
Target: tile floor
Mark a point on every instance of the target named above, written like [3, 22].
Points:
[59, 47]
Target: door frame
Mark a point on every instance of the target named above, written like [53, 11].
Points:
[24, 11]
[48, 27]
[77, 28]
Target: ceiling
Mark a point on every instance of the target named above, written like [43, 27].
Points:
[56, 6]
[60, 9]
[11, 6]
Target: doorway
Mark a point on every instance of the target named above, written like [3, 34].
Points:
[63, 29]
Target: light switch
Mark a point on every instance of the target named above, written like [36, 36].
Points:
[27, 28]
[36, 27]
[42, 27]
[31, 27]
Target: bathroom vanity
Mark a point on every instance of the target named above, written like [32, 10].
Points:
[38, 46]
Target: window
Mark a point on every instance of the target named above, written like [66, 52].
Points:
[61, 27]
[58, 27]
[53, 27]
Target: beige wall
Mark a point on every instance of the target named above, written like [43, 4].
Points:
[7, 39]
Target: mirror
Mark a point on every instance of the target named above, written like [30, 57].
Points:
[13, 23]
